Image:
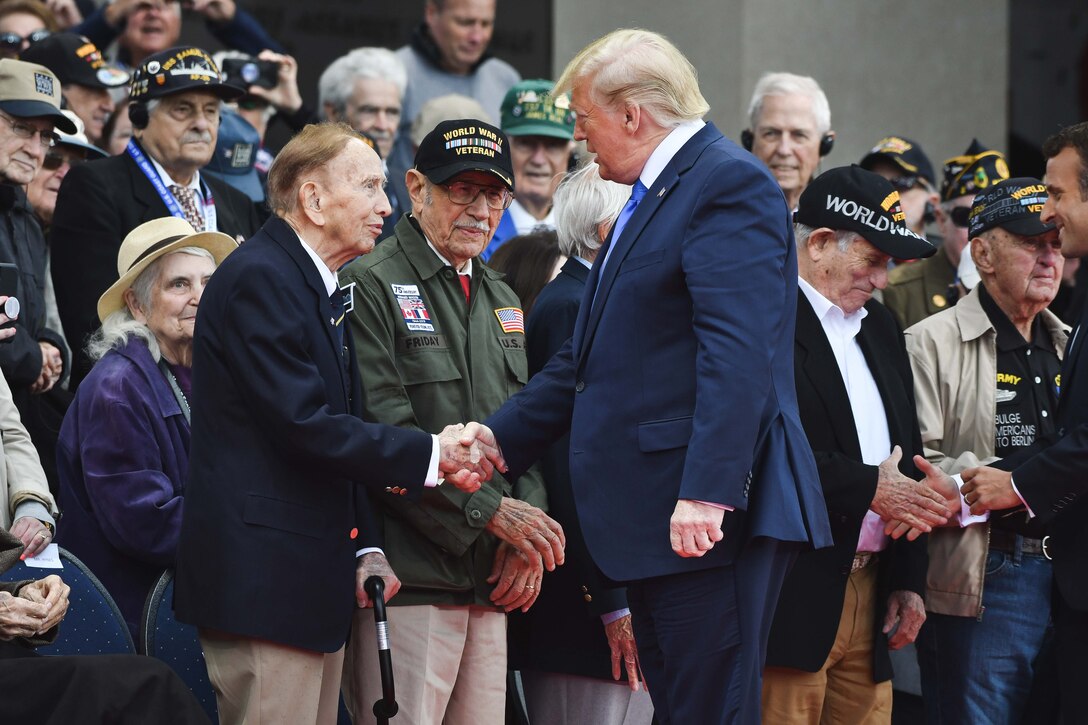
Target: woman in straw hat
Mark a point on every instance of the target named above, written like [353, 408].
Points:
[124, 445]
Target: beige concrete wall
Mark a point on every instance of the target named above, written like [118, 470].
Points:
[931, 70]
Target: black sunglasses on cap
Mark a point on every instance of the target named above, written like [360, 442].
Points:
[13, 42]
[960, 215]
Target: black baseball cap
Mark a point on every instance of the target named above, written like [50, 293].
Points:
[976, 169]
[75, 59]
[849, 198]
[902, 153]
[466, 144]
[1012, 204]
[177, 70]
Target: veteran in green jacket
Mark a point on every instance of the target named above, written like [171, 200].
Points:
[440, 339]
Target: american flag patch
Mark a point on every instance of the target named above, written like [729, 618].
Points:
[511, 319]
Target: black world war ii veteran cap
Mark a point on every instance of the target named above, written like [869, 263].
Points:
[75, 59]
[902, 153]
[1012, 204]
[454, 147]
[852, 199]
[976, 169]
[177, 70]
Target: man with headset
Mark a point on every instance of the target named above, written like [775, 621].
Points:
[789, 129]
[176, 96]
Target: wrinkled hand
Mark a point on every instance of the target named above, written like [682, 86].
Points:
[695, 527]
[53, 593]
[462, 463]
[529, 530]
[908, 610]
[904, 500]
[285, 97]
[66, 13]
[621, 640]
[33, 533]
[485, 439]
[988, 489]
[218, 11]
[942, 484]
[52, 367]
[518, 578]
[374, 564]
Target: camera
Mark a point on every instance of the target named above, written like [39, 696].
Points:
[246, 72]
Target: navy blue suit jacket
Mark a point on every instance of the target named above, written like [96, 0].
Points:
[267, 548]
[678, 381]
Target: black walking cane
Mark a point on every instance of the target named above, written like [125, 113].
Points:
[386, 707]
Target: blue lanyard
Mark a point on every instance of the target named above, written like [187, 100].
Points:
[133, 150]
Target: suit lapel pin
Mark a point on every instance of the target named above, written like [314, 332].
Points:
[661, 193]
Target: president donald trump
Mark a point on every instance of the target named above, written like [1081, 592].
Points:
[692, 477]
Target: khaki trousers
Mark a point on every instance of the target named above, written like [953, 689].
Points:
[843, 691]
[449, 665]
[260, 683]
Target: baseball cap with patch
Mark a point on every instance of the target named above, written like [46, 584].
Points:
[1012, 204]
[902, 153]
[466, 144]
[28, 90]
[177, 70]
[852, 199]
[976, 169]
[75, 59]
[235, 154]
[530, 109]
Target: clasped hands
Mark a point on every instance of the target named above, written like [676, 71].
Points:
[469, 455]
[910, 507]
[35, 609]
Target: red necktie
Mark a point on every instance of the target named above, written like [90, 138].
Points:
[466, 283]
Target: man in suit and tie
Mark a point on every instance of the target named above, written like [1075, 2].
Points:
[175, 120]
[277, 537]
[827, 659]
[1050, 478]
[691, 475]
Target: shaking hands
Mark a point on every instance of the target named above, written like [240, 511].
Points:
[469, 455]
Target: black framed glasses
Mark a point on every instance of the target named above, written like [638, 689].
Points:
[960, 216]
[47, 139]
[13, 42]
[465, 193]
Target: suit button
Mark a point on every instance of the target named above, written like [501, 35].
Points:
[354, 534]
[475, 514]
[580, 386]
[403, 491]
[588, 598]
[585, 589]
[388, 489]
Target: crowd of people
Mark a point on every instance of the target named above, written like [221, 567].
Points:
[636, 423]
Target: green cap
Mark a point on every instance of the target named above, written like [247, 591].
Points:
[529, 109]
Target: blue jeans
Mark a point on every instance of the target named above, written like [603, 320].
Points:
[979, 671]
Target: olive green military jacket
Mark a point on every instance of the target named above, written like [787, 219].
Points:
[919, 289]
[428, 359]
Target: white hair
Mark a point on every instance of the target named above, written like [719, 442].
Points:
[583, 201]
[337, 82]
[788, 84]
[801, 233]
[120, 325]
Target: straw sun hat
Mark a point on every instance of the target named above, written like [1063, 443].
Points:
[148, 242]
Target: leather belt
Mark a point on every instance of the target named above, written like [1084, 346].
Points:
[863, 559]
[1005, 541]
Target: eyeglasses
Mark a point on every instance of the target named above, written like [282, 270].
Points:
[464, 193]
[54, 160]
[903, 183]
[47, 138]
[13, 42]
[960, 216]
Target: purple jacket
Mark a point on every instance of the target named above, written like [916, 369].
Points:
[122, 458]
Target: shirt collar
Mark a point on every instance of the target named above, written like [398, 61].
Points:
[193, 184]
[586, 262]
[665, 150]
[525, 222]
[467, 271]
[327, 275]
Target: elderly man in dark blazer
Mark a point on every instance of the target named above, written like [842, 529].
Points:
[841, 608]
[277, 537]
[175, 120]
